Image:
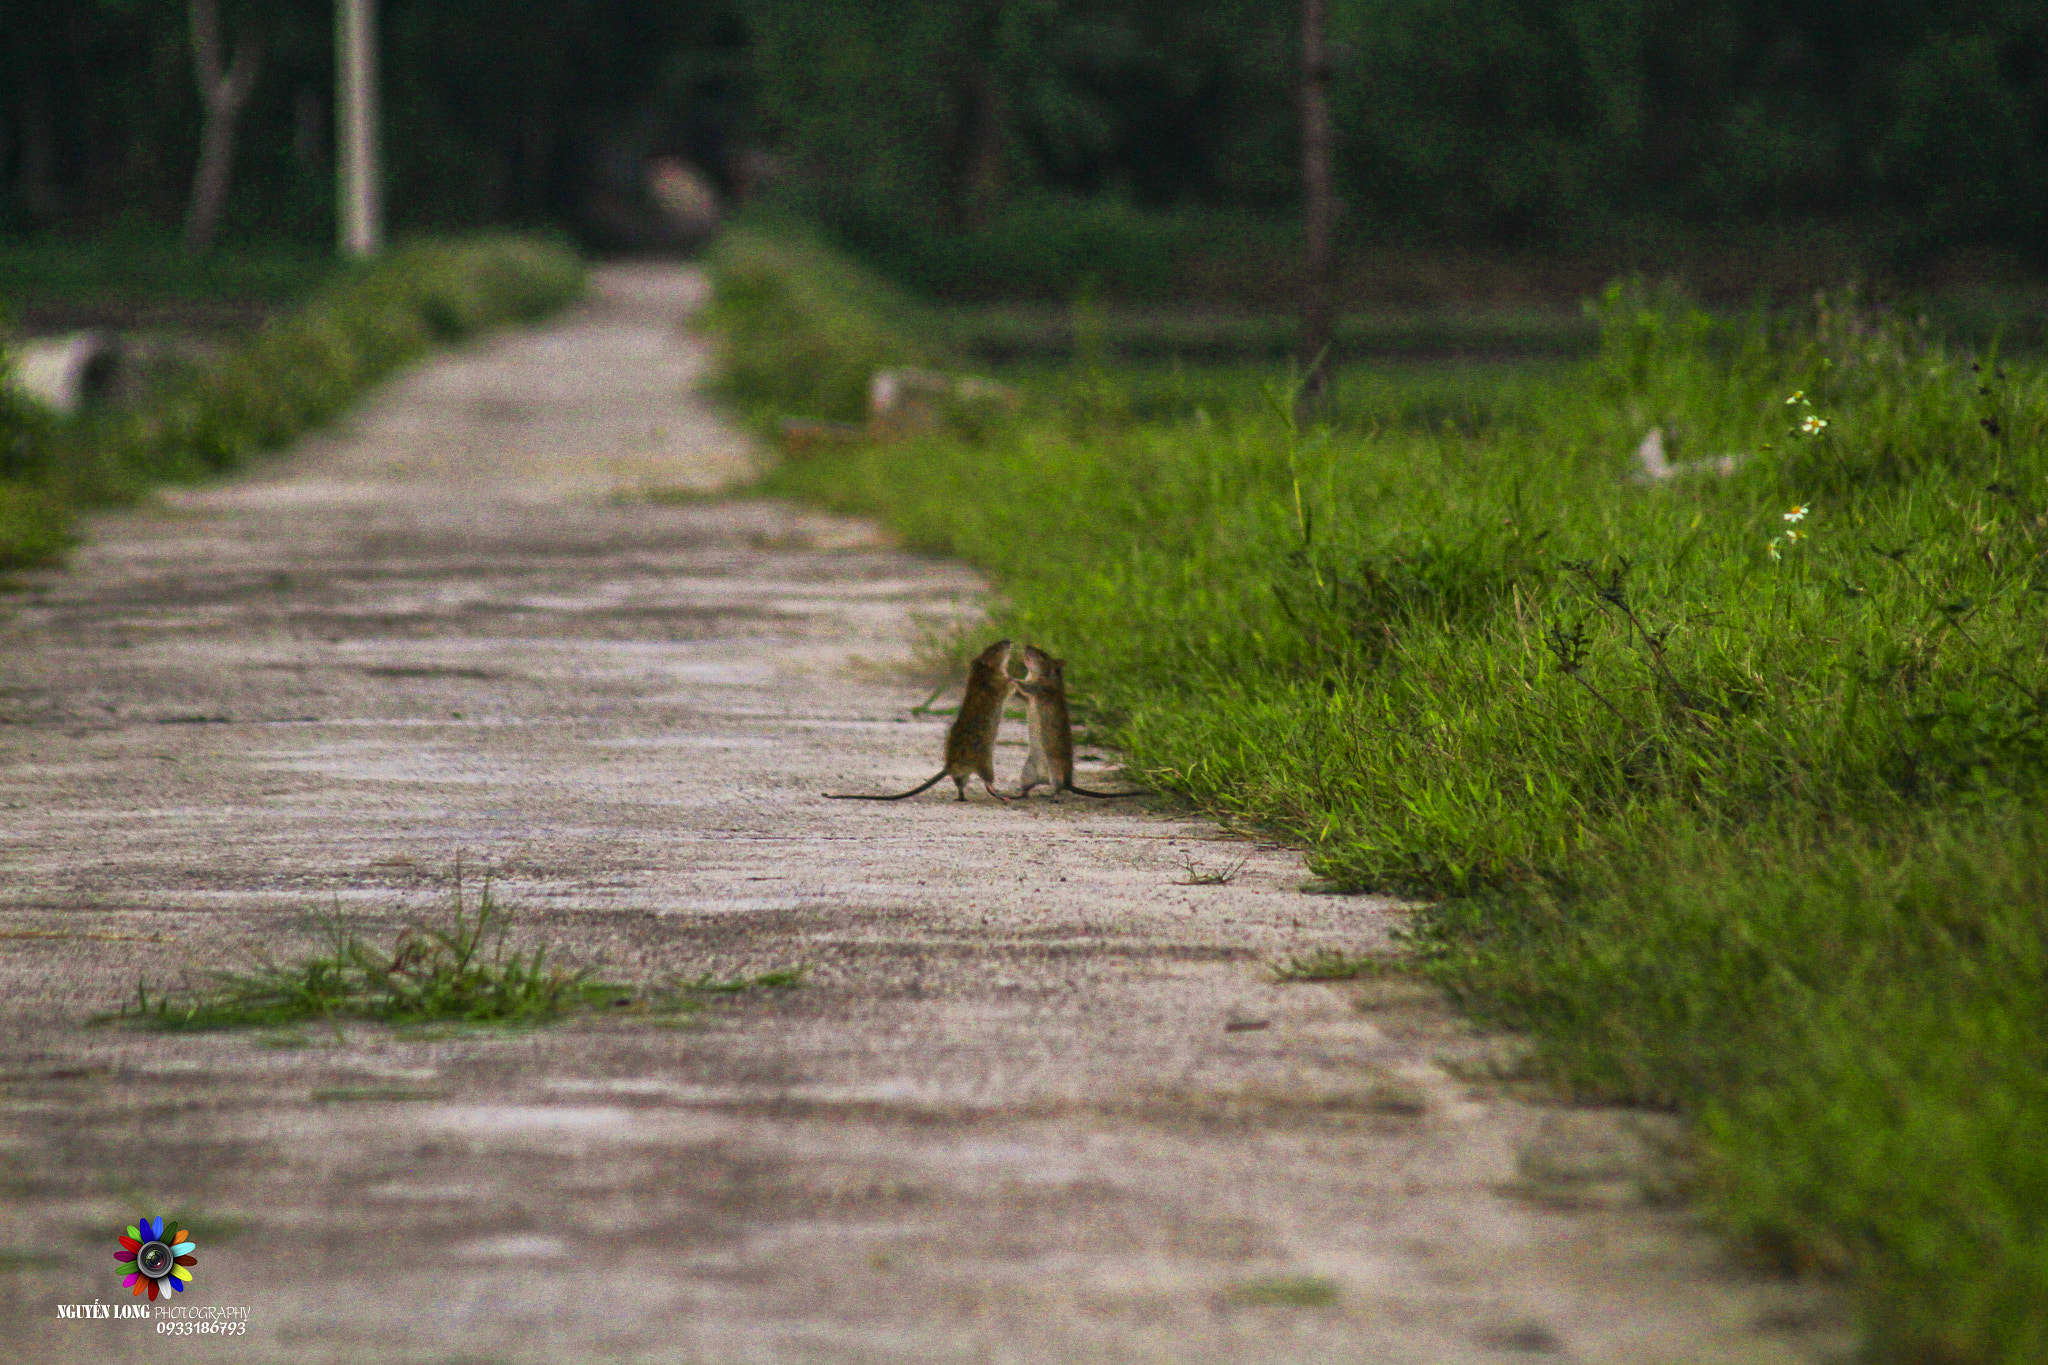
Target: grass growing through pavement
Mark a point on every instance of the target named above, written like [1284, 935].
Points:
[1283, 1291]
[462, 969]
[1333, 964]
[1725, 789]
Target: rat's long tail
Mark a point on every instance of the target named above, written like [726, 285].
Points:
[862, 796]
[1083, 791]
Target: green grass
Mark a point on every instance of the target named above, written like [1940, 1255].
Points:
[1364, 396]
[35, 522]
[36, 526]
[1284, 1291]
[780, 979]
[462, 968]
[1211, 874]
[459, 969]
[1732, 807]
[1044, 247]
[1333, 964]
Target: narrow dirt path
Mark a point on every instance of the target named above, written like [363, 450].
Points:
[1038, 1102]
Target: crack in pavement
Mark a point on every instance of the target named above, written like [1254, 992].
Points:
[1038, 1100]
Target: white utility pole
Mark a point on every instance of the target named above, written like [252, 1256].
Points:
[1318, 212]
[361, 169]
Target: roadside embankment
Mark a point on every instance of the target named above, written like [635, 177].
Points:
[294, 373]
[1723, 787]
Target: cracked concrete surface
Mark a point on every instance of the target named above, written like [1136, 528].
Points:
[1038, 1102]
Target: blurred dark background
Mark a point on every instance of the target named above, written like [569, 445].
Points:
[984, 149]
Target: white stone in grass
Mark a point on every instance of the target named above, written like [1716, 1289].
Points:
[67, 371]
[1653, 467]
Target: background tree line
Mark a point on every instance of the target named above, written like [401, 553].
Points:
[1478, 122]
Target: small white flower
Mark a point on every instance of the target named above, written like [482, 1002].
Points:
[1799, 513]
[1812, 425]
[1776, 554]
[1798, 396]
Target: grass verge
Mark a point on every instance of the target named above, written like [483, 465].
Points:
[295, 372]
[1724, 787]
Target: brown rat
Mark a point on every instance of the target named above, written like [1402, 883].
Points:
[971, 742]
[1051, 761]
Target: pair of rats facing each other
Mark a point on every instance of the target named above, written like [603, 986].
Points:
[971, 742]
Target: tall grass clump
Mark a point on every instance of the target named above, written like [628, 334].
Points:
[460, 967]
[1724, 786]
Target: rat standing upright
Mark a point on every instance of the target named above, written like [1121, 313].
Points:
[1051, 760]
[971, 742]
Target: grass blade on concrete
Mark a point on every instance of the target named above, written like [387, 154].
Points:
[461, 967]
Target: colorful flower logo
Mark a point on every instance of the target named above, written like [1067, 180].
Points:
[162, 1264]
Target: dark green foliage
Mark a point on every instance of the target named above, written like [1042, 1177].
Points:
[1620, 122]
[500, 113]
[1726, 786]
[1330, 964]
[915, 113]
[1502, 119]
[1284, 1291]
[956, 122]
[1045, 248]
[111, 276]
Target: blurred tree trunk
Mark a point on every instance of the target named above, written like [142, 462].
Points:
[37, 162]
[982, 120]
[980, 189]
[1319, 211]
[223, 92]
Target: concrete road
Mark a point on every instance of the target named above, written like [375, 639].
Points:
[1039, 1100]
